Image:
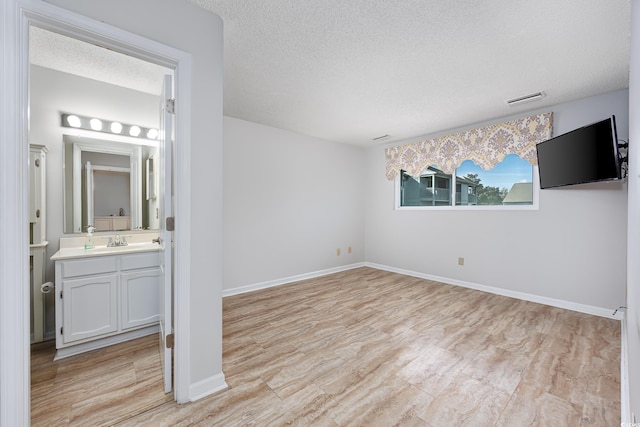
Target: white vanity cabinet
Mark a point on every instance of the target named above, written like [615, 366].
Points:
[139, 290]
[90, 307]
[103, 300]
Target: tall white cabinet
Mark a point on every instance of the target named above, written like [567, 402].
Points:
[37, 193]
[37, 235]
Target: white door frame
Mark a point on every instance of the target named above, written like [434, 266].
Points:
[15, 18]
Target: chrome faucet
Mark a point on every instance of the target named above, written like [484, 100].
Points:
[116, 241]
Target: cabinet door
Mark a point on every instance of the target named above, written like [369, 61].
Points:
[140, 297]
[102, 223]
[34, 186]
[89, 306]
[121, 223]
[37, 193]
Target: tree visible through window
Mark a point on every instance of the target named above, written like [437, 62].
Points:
[509, 183]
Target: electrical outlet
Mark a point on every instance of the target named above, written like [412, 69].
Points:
[338, 251]
[460, 261]
[349, 249]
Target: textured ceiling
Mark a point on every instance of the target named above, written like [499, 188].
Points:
[58, 52]
[350, 71]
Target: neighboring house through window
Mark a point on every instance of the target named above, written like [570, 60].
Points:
[434, 189]
[509, 183]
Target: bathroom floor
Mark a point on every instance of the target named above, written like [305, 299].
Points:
[100, 387]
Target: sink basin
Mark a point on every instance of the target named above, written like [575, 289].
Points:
[131, 247]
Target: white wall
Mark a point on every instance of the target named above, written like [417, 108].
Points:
[632, 322]
[290, 201]
[52, 93]
[184, 26]
[571, 249]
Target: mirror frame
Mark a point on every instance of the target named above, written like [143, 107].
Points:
[152, 181]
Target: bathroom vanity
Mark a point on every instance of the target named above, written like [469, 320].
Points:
[105, 295]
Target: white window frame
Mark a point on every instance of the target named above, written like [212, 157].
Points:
[532, 207]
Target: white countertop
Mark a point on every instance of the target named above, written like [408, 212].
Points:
[73, 247]
[42, 244]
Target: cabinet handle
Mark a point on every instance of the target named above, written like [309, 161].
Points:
[38, 213]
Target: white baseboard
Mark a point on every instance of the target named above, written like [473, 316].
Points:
[207, 387]
[290, 279]
[568, 305]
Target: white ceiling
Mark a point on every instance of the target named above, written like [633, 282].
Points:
[350, 71]
[58, 52]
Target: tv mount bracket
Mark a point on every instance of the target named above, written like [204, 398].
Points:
[624, 159]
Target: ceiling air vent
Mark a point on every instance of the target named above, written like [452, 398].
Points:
[380, 138]
[527, 98]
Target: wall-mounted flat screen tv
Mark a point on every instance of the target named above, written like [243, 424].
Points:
[587, 154]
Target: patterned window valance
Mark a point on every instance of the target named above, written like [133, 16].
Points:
[486, 146]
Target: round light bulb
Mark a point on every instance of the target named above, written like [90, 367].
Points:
[95, 124]
[74, 121]
[134, 131]
[152, 133]
[116, 127]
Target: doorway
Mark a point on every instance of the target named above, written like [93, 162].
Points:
[68, 50]
[17, 16]
[72, 76]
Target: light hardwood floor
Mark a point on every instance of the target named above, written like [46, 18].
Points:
[100, 387]
[363, 348]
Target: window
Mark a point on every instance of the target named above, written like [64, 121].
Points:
[509, 183]
[441, 171]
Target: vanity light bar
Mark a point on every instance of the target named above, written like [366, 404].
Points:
[99, 125]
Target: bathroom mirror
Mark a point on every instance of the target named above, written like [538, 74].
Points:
[106, 185]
